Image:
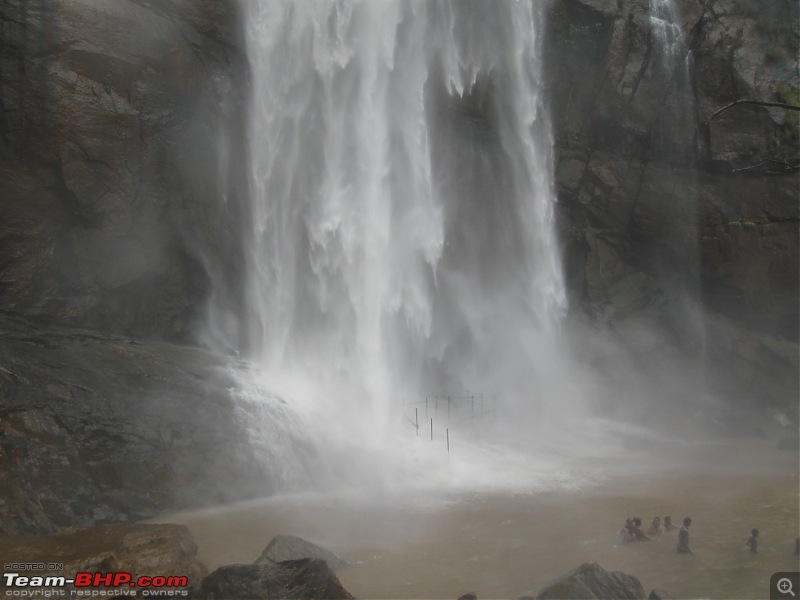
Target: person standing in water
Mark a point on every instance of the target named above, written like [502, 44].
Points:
[752, 541]
[626, 533]
[683, 537]
[637, 535]
[655, 527]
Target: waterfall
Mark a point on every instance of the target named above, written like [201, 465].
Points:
[674, 141]
[402, 237]
[674, 66]
[666, 28]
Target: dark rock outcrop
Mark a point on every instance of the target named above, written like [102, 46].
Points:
[592, 581]
[304, 579]
[119, 167]
[291, 547]
[97, 429]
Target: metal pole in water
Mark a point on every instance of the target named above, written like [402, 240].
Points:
[448, 440]
[431, 428]
[416, 420]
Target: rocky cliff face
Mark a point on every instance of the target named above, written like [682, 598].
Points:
[118, 160]
[120, 175]
[672, 213]
[122, 164]
[99, 428]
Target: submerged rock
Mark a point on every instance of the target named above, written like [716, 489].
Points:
[304, 579]
[291, 547]
[593, 581]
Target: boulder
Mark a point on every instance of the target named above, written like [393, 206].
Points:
[304, 579]
[291, 547]
[136, 548]
[659, 595]
[162, 549]
[592, 581]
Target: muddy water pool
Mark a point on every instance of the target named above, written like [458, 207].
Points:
[406, 543]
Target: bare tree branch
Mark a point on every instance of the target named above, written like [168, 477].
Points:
[786, 166]
[756, 102]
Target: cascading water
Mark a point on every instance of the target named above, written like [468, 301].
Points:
[402, 239]
[673, 65]
[674, 138]
[665, 26]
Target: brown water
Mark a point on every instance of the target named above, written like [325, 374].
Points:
[504, 545]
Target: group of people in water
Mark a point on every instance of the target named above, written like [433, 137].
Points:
[632, 531]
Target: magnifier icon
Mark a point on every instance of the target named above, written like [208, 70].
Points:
[784, 586]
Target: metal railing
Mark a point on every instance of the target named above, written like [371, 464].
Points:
[462, 410]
